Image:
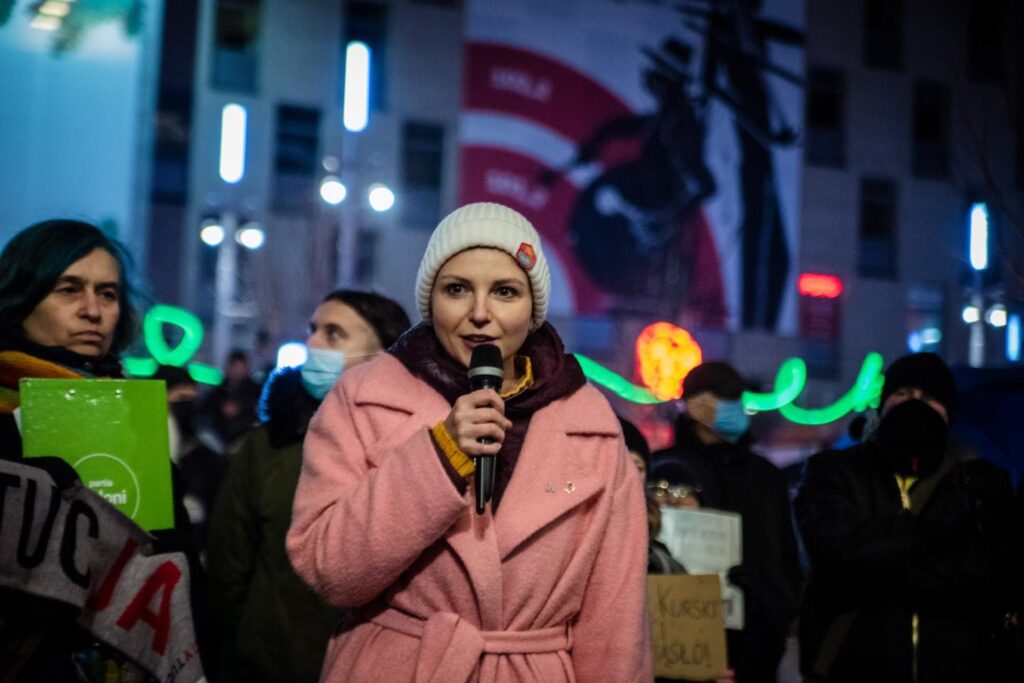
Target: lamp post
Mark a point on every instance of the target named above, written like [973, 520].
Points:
[345, 190]
[227, 232]
[977, 232]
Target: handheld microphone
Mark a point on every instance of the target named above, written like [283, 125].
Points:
[485, 372]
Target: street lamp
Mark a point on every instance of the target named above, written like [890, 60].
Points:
[224, 233]
[977, 248]
[332, 190]
[335, 190]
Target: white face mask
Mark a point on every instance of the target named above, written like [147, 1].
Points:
[322, 369]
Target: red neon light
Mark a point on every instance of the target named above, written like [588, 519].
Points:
[823, 286]
[665, 354]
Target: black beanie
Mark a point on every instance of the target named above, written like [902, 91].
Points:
[716, 376]
[927, 372]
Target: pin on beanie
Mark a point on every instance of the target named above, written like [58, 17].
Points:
[486, 224]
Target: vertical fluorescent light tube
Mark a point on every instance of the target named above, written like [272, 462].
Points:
[1013, 338]
[357, 86]
[232, 142]
[979, 236]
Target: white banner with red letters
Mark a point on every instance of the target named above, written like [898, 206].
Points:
[72, 546]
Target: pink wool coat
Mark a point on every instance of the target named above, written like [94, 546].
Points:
[551, 589]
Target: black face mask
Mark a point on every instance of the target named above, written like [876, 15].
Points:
[913, 438]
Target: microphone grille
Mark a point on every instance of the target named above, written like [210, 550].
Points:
[486, 355]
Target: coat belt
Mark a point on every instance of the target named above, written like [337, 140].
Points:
[451, 647]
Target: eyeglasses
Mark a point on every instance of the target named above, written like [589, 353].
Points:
[662, 489]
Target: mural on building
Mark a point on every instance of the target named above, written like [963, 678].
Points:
[652, 143]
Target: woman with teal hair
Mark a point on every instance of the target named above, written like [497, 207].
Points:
[66, 313]
[65, 310]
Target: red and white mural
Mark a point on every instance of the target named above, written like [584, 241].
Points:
[654, 144]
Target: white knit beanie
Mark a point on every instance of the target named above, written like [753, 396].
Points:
[486, 224]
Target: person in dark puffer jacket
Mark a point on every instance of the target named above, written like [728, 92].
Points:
[909, 538]
[273, 627]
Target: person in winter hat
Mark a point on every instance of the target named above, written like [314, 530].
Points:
[548, 582]
[711, 462]
[909, 537]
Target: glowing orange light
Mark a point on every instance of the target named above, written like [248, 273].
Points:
[665, 354]
[817, 285]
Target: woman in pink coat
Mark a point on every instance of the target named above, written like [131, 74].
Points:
[548, 583]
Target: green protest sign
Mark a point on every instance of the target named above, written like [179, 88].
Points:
[113, 432]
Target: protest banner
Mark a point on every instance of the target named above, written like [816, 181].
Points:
[70, 545]
[708, 542]
[113, 432]
[687, 629]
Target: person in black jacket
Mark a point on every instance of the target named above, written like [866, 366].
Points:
[907, 535]
[274, 628]
[712, 442]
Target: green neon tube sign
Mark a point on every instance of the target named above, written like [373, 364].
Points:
[790, 381]
[181, 354]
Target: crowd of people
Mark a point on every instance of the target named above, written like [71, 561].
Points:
[329, 527]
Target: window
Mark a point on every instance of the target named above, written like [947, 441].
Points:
[876, 255]
[931, 134]
[826, 133]
[923, 318]
[368, 22]
[295, 157]
[984, 42]
[422, 163]
[883, 34]
[236, 32]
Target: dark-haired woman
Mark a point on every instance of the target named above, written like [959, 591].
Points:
[65, 312]
[548, 584]
[274, 628]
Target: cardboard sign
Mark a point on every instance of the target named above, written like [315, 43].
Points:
[113, 432]
[687, 629]
[708, 541]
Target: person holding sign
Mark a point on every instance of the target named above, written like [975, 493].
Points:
[66, 313]
[547, 583]
[273, 627]
[911, 542]
[713, 449]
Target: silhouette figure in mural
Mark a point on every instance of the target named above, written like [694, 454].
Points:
[632, 227]
[626, 224]
[735, 63]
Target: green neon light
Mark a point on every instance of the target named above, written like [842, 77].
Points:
[205, 374]
[191, 340]
[156, 343]
[140, 367]
[615, 383]
[864, 393]
[790, 380]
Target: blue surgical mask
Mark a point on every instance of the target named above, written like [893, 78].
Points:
[322, 369]
[731, 421]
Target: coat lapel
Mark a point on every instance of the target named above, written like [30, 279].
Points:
[472, 537]
[551, 477]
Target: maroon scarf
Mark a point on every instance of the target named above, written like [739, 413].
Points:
[555, 375]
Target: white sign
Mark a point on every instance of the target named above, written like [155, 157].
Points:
[707, 542]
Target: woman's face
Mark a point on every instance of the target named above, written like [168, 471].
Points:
[82, 310]
[481, 296]
[338, 327]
